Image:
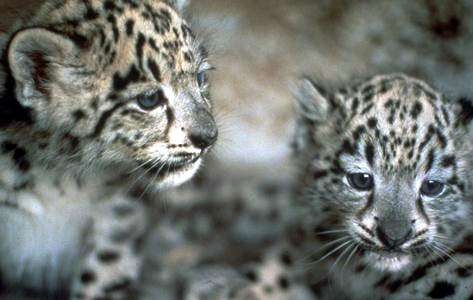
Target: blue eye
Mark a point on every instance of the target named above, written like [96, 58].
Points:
[201, 78]
[151, 101]
[361, 181]
[432, 188]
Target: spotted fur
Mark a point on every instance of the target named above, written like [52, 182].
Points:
[386, 211]
[101, 103]
[406, 234]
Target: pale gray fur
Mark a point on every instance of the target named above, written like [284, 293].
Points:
[95, 125]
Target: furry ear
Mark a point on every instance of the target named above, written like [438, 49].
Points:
[32, 56]
[311, 99]
[312, 108]
[179, 5]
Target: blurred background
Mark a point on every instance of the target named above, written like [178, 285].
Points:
[259, 46]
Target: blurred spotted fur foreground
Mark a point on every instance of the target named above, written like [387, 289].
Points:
[101, 104]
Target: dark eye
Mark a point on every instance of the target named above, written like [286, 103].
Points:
[361, 181]
[201, 78]
[432, 188]
[151, 101]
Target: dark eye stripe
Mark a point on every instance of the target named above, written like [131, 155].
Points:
[103, 119]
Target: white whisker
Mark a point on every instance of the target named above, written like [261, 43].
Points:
[141, 165]
[331, 231]
[308, 256]
[446, 251]
[350, 256]
[435, 252]
[154, 177]
[332, 251]
[341, 255]
[153, 165]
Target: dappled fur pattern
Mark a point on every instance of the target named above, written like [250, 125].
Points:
[102, 103]
[386, 173]
[403, 233]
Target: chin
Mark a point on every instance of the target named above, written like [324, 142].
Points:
[175, 177]
[388, 262]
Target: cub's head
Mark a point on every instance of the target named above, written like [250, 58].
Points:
[119, 84]
[390, 160]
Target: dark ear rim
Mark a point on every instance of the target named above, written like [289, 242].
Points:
[465, 113]
[30, 53]
[40, 40]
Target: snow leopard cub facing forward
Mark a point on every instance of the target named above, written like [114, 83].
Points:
[387, 212]
[391, 183]
[99, 100]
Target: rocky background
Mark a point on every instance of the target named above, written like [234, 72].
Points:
[259, 46]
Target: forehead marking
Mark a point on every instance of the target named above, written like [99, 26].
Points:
[90, 13]
[367, 109]
[129, 26]
[120, 83]
[354, 105]
[110, 6]
[416, 110]
[396, 109]
[152, 43]
[154, 68]
[139, 48]
[369, 153]
[113, 21]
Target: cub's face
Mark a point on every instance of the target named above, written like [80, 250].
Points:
[390, 162]
[126, 88]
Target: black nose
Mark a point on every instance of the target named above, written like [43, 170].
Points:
[203, 133]
[393, 237]
[203, 139]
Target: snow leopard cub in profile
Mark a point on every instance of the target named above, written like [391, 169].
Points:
[101, 102]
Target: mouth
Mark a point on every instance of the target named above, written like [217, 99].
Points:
[391, 260]
[383, 252]
[390, 254]
[177, 164]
